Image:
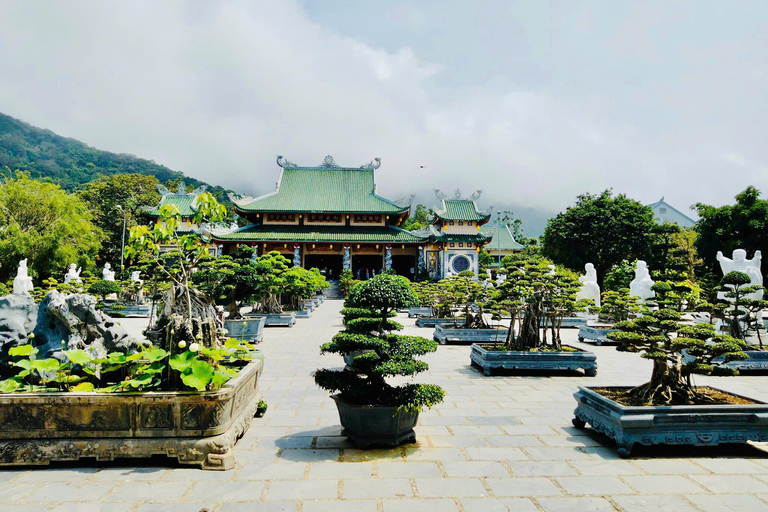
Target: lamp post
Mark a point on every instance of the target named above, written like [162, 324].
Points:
[122, 244]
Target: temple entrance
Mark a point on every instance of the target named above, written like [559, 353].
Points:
[369, 262]
[404, 265]
[330, 265]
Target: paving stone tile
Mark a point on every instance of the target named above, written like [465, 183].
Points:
[408, 469]
[227, 491]
[273, 471]
[57, 475]
[573, 504]
[457, 441]
[150, 491]
[506, 440]
[660, 502]
[605, 467]
[498, 505]
[593, 485]
[335, 470]
[666, 484]
[728, 503]
[419, 505]
[668, 467]
[59, 492]
[494, 420]
[15, 492]
[173, 507]
[558, 453]
[27, 507]
[435, 454]
[474, 468]
[525, 430]
[556, 440]
[496, 454]
[477, 430]
[299, 455]
[523, 487]
[731, 483]
[93, 507]
[333, 442]
[302, 490]
[541, 468]
[140, 473]
[340, 506]
[377, 488]
[722, 466]
[449, 487]
[266, 506]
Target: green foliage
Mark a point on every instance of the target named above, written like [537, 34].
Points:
[379, 354]
[693, 350]
[739, 311]
[200, 369]
[345, 282]
[43, 223]
[102, 288]
[599, 229]
[419, 219]
[619, 276]
[618, 306]
[743, 225]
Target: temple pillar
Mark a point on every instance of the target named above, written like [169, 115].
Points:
[388, 257]
[347, 258]
[420, 263]
[297, 255]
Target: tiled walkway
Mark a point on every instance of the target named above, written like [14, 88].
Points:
[500, 443]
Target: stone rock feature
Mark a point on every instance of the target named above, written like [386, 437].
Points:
[71, 319]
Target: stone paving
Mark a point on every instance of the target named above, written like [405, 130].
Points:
[502, 443]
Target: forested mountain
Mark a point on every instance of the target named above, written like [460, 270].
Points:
[69, 162]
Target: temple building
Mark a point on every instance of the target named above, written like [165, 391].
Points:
[455, 236]
[329, 217]
[665, 212]
[502, 242]
[186, 202]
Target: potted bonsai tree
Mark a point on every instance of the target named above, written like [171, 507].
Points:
[471, 297]
[536, 299]
[617, 305]
[669, 408]
[371, 410]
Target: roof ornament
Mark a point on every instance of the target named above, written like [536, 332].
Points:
[439, 194]
[181, 189]
[284, 162]
[329, 162]
[405, 201]
[373, 164]
[239, 200]
[162, 190]
[457, 193]
[476, 195]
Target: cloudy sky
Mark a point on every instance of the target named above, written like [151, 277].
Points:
[533, 101]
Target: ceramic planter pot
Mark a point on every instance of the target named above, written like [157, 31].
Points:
[251, 329]
[276, 320]
[596, 332]
[491, 360]
[367, 425]
[196, 428]
[419, 312]
[445, 334]
[695, 425]
[434, 322]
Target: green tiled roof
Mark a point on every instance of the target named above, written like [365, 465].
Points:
[503, 242]
[461, 209]
[182, 201]
[460, 238]
[340, 190]
[341, 234]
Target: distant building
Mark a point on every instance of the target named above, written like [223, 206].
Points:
[665, 212]
[502, 242]
[455, 236]
[186, 202]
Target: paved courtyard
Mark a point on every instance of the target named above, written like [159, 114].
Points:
[501, 443]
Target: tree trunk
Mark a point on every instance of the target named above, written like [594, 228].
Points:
[667, 385]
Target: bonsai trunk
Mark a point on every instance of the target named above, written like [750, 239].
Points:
[667, 385]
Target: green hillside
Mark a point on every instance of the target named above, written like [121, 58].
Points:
[69, 162]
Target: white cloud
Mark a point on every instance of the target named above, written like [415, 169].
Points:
[533, 116]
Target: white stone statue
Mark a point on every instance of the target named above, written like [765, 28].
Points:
[73, 274]
[589, 287]
[740, 263]
[641, 284]
[22, 283]
[108, 274]
[552, 270]
[135, 276]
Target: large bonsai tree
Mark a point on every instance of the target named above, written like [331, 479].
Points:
[381, 353]
[675, 359]
[739, 310]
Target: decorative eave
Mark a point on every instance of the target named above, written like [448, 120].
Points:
[185, 201]
[444, 215]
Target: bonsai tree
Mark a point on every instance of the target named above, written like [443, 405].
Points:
[103, 288]
[618, 306]
[675, 359]
[469, 293]
[188, 313]
[301, 284]
[387, 354]
[740, 311]
[345, 282]
[229, 280]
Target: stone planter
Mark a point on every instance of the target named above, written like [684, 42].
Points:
[316, 301]
[276, 320]
[445, 334]
[596, 332]
[367, 425]
[196, 428]
[308, 304]
[696, 425]
[757, 361]
[303, 313]
[434, 322]
[419, 312]
[135, 310]
[573, 322]
[251, 329]
[490, 360]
